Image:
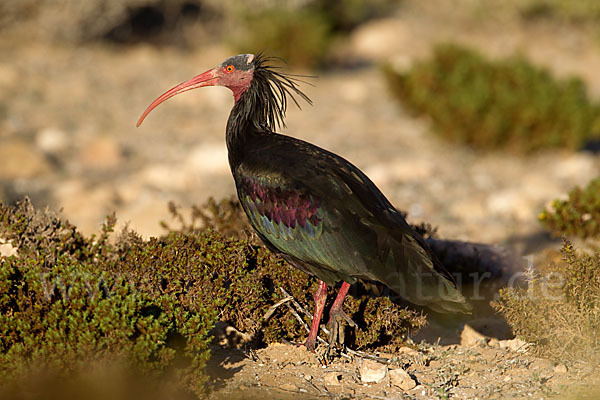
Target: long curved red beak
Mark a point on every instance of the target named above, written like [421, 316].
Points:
[209, 78]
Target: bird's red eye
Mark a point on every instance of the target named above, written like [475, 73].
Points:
[229, 68]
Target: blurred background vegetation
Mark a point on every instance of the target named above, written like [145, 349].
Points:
[488, 104]
[506, 104]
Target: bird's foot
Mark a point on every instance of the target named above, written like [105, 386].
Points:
[337, 327]
[309, 344]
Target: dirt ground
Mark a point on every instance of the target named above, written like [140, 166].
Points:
[67, 128]
[285, 371]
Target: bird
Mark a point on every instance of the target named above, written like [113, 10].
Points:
[317, 210]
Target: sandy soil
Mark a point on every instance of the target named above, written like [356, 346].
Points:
[285, 371]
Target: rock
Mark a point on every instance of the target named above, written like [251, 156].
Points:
[560, 369]
[332, 378]
[470, 337]
[401, 378]
[289, 387]
[408, 351]
[372, 371]
[51, 140]
[512, 344]
[7, 249]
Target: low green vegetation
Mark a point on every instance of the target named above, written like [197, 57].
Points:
[559, 309]
[64, 305]
[301, 37]
[68, 301]
[579, 215]
[507, 104]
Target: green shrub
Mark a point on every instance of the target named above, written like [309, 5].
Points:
[559, 310]
[579, 215]
[507, 104]
[302, 34]
[67, 300]
[299, 36]
[63, 305]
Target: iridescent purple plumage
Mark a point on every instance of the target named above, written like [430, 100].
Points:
[285, 206]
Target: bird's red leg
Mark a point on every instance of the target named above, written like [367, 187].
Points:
[339, 300]
[320, 298]
[336, 314]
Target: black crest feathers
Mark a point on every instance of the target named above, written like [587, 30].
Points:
[266, 100]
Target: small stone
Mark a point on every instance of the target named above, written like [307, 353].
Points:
[515, 344]
[7, 249]
[332, 378]
[470, 337]
[372, 371]
[289, 387]
[51, 140]
[560, 369]
[401, 378]
[408, 351]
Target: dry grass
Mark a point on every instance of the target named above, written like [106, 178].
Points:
[559, 310]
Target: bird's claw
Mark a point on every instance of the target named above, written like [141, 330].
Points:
[337, 327]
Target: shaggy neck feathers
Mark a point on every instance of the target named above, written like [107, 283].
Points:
[262, 106]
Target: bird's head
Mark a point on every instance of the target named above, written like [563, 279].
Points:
[268, 94]
[235, 73]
